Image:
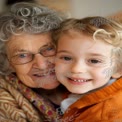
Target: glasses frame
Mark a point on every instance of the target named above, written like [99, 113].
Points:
[33, 55]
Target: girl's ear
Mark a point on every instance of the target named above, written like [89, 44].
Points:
[117, 75]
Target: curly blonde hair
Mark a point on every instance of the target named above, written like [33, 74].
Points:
[97, 27]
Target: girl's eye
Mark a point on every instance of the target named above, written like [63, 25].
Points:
[94, 61]
[65, 58]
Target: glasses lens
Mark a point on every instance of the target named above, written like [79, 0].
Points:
[48, 51]
[22, 58]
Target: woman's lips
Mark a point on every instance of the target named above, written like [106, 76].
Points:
[41, 73]
[38, 74]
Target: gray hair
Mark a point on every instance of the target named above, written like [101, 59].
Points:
[25, 18]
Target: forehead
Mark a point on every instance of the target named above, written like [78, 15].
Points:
[81, 42]
[28, 42]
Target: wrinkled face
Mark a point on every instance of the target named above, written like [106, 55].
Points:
[38, 73]
[83, 64]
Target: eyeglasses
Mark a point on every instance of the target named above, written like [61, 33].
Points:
[27, 57]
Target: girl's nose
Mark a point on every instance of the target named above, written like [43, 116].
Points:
[78, 67]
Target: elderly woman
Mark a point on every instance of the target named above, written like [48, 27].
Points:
[27, 62]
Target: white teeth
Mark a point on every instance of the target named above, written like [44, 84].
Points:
[44, 74]
[79, 80]
[40, 75]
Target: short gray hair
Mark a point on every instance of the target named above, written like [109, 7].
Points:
[25, 17]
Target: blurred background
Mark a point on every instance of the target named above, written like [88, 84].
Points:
[77, 8]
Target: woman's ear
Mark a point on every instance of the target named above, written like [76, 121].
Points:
[11, 68]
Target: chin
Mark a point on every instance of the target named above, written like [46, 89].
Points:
[48, 86]
[51, 86]
[76, 91]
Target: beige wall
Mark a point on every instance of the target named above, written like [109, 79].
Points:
[2, 5]
[82, 8]
[61, 5]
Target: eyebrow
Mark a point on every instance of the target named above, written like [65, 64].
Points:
[46, 45]
[90, 54]
[25, 50]
[96, 54]
[63, 51]
[19, 50]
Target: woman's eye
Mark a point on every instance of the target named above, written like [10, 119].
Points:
[24, 55]
[48, 51]
[51, 48]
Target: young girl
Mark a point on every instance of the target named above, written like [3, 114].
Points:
[89, 65]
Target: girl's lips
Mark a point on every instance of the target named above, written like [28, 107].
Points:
[79, 80]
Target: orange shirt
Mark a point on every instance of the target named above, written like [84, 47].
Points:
[104, 105]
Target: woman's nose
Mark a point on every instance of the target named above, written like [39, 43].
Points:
[78, 67]
[40, 61]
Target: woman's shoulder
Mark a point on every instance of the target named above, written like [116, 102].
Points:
[12, 101]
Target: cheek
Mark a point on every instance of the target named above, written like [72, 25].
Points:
[52, 59]
[60, 69]
[57, 68]
[22, 69]
[22, 73]
[103, 74]
[107, 72]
